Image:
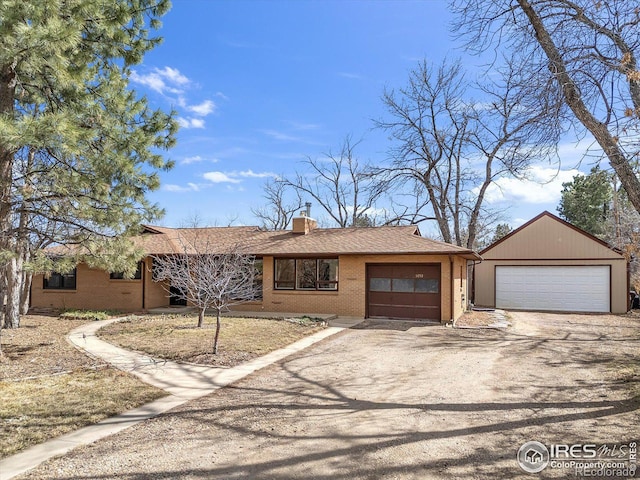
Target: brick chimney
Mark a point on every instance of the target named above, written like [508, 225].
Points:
[303, 224]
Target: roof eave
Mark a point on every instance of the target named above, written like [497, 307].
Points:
[469, 255]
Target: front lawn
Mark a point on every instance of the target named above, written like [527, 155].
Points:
[49, 388]
[177, 337]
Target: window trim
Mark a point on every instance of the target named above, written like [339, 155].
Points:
[73, 273]
[320, 285]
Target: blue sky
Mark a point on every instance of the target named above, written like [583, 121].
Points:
[260, 85]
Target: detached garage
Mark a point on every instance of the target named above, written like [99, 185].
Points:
[548, 264]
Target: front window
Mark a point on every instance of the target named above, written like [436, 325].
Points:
[60, 281]
[306, 274]
[328, 274]
[285, 273]
[120, 275]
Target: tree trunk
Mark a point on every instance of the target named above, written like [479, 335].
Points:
[14, 292]
[215, 339]
[3, 293]
[201, 317]
[27, 278]
[574, 101]
[7, 97]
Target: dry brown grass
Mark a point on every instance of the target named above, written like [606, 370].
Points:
[48, 387]
[178, 338]
[36, 410]
[39, 347]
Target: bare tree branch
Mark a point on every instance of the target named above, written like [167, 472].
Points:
[585, 51]
[449, 149]
[277, 213]
[207, 278]
[340, 184]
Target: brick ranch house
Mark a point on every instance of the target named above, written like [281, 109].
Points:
[390, 272]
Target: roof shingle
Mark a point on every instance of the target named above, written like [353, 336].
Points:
[320, 241]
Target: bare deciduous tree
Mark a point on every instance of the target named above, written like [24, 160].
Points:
[429, 132]
[340, 184]
[449, 149]
[208, 278]
[586, 51]
[278, 211]
[622, 231]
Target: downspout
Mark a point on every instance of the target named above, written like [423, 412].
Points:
[472, 294]
[451, 303]
[143, 273]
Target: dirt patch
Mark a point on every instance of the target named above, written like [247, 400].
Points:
[384, 403]
[475, 318]
[40, 348]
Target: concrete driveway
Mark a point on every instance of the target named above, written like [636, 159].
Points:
[398, 401]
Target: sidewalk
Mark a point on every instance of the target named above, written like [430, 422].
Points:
[182, 382]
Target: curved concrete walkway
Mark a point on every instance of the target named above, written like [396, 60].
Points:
[183, 382]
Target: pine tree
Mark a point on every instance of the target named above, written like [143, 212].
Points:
[502, 230]
[79, 150]
[586, 199]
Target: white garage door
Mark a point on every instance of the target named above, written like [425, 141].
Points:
[558, 288]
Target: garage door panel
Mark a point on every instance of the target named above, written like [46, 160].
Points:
[556, 288]
[405, 291]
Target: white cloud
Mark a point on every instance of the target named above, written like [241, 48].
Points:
[190, 122]
[236, 177]
[173, 75]
[196, 123]
[220, 177]
[162, 80]
[189, 160]
[153, 81]
[191, 187]
[174, 85]
[202, 109]
[252, 174]
[542, 185]
[197, 159]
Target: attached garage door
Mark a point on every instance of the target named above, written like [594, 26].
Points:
[556, 288]
[404, 291]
